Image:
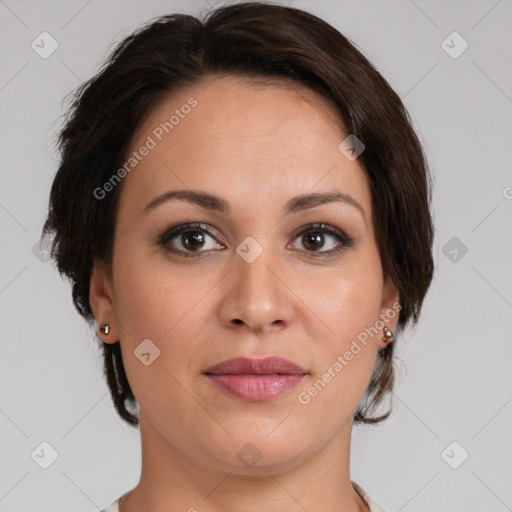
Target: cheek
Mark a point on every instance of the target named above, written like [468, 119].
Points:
[349, 300]
[160, 305]
[349, 305]
[350, 318]
[167, 304]
[147, 296]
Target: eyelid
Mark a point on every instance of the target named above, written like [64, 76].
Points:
[322, 226]
[177, 229]
[344, 238]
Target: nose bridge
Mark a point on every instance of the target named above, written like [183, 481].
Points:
[256, 268]
[257, 297]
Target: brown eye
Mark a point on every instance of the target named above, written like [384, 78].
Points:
[187, 239]
[316, 237]
[192, 240]
[313, 240]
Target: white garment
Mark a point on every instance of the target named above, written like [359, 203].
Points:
[374, 507]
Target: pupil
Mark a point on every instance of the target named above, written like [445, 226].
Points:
[196, 235]
[310, 239]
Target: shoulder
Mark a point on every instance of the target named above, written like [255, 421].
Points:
[374, 507]
[113, 507]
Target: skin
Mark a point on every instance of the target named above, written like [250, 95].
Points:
[255, 146]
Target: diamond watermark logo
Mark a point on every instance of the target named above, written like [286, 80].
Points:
[249, 249]
[44, 45]
[41, 252]
[454, 249]
[454, 455]
[146, 352]
[249, 455]
[351, 147]
[44, 455]
[454, 45]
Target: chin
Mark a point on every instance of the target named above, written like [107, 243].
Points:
[253, 451]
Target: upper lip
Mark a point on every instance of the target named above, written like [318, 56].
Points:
[265, 366]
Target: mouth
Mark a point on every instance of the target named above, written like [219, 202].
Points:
[256, 380]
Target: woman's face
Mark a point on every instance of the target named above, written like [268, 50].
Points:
[254, 280]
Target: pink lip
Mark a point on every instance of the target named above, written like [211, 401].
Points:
[265, 366]
[256, 379]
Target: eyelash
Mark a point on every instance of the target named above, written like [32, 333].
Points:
[169, 234]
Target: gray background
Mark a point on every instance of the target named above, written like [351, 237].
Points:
[455, 372]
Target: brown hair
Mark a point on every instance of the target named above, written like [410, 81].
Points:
[253, 40]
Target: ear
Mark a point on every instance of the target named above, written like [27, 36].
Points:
[390, 306]
[102, 304]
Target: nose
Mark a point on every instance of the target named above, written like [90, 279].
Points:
[256, 296]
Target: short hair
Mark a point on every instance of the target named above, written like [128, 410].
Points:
[252, 40]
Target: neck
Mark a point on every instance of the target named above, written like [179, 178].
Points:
[172, 481]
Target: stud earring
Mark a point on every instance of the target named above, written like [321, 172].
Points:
[104, 328]
[389, 337]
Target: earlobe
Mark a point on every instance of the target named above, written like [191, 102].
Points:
[102, 304]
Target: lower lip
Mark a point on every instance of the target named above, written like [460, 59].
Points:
[256, 388]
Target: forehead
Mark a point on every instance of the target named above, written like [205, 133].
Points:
[227, 136]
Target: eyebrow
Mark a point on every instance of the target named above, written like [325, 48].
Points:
[215, 203]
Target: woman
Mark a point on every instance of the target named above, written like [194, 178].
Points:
[243, 209]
